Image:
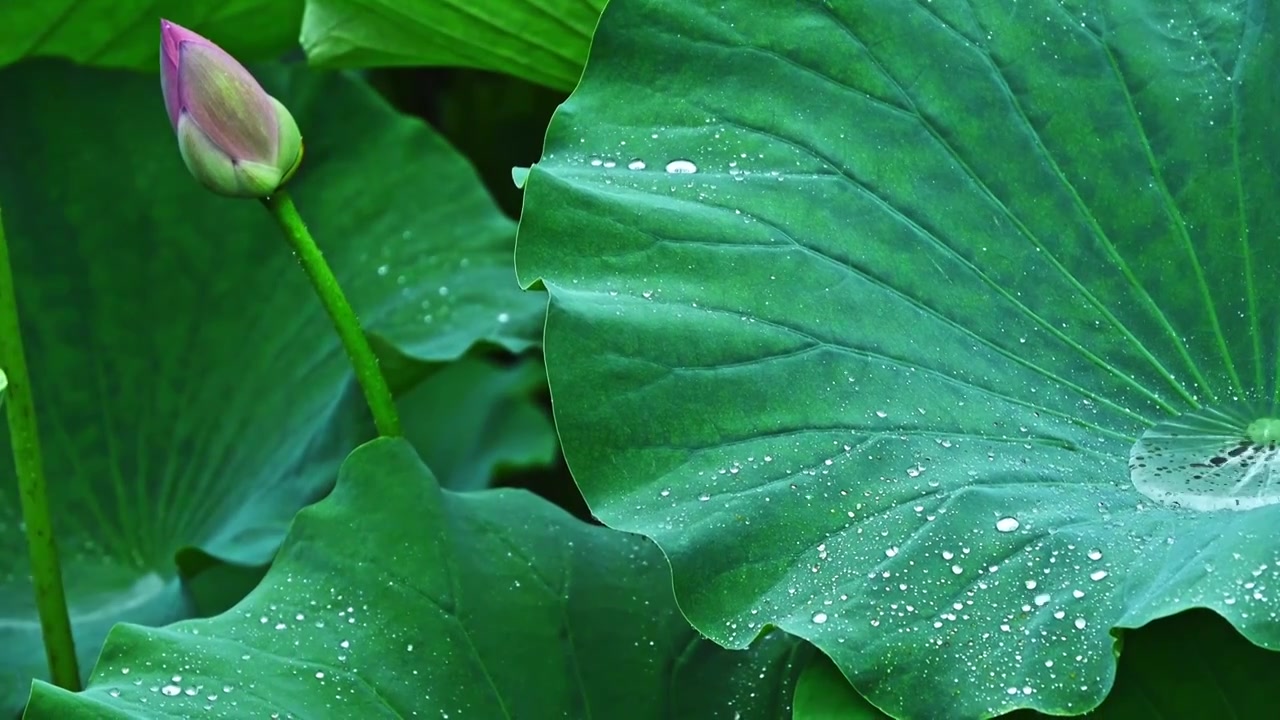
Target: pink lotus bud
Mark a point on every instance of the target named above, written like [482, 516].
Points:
[235, 138]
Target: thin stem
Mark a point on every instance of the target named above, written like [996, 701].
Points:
[363, 359]
[46, 571]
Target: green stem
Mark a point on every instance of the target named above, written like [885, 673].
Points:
[363, 359]
[46, 571]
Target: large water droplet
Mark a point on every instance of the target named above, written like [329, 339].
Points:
[819, 618]
[1223, 458]
[681, 167]
[1007, 524]
[636, 164]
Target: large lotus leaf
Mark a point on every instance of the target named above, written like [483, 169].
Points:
[191, 391]
[860, 309]
[126, 33]
[544, 41]
[490, 605]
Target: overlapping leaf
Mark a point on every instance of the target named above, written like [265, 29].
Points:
[859, 308]
[392, 598]
[191, 391]
[544, 41]
[474, 418]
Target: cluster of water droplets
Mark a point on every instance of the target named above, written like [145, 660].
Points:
[436, 302]
[330, 643]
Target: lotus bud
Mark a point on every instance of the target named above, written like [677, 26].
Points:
[235, 138]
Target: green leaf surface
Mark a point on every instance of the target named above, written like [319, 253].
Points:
[491, 605]
[473, 418]
[191, 391]
[544, 41]
[126, 33]
[859, 309]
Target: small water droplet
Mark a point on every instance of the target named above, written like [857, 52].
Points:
[1080, 623]
[1095, 554]
[819, 618]
[1097, 575]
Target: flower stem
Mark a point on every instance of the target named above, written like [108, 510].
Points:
[363, 359]
[46, 571]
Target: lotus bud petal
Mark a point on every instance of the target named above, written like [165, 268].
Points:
[234, 138]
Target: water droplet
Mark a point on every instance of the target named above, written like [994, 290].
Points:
[504, 317]
[384, 269]
[319, 675]
[1080, 623]
[819, 618]
[681, 167]
[636, 164]
[1097, 575]
[1007, 524]
[1219, 458]
[1095, 554]
[171, 690]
